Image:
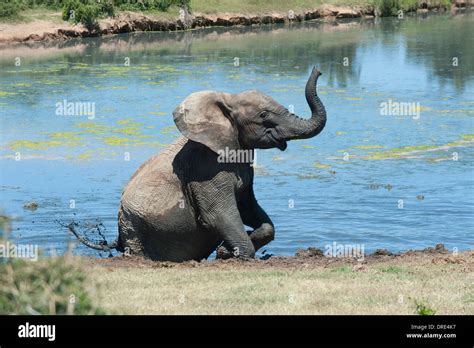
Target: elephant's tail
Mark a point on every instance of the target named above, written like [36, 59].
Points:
[102, 246]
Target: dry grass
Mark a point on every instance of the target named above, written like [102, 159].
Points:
[432, 283]
[261, 7]
[245, 7]
[283, 6]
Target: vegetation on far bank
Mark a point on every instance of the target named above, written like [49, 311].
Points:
[88, 12]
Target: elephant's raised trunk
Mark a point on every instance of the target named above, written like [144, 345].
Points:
[300, 128]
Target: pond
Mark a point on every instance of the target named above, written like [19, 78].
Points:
[395, 180]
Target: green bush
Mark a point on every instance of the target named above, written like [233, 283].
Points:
[146, 5]
[87, 15]
[48, 286]
[10, 9]
[69, 9]
[87, 12]
[387, 8]
[55, 285]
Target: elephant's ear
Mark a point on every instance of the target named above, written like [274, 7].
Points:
[205, 117]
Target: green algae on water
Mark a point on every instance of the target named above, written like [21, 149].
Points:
[319, 165]
[33, 145]
[405, 152]
[367, 147]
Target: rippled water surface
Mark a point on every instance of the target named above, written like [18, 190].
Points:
[396, 182]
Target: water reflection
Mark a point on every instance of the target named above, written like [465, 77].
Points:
[432, 41]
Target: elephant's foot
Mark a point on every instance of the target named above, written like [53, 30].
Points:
[262, 236]
[223, 254]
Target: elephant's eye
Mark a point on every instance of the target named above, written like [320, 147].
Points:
[264, 114]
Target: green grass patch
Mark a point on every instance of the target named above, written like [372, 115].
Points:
[342, 269]
[392, 269]
[423, 309]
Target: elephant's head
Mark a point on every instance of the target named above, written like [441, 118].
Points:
[247, 120]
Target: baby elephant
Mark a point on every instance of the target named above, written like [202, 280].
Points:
[198, 193]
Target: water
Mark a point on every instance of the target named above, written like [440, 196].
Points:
[349, 185]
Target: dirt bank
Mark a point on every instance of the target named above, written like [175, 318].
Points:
[303, 259]
[126, 22]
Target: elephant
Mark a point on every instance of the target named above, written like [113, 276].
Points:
[191, 199]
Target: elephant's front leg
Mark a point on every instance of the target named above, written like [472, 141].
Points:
[218, 212]
[254, 216]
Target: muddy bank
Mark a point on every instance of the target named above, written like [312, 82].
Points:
[430, 281]
[127, 22]
[303, 259]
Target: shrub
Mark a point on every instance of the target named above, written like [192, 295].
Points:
[56, 285]
[87, 15]
[146, 5]
[387, 8]
[9, 9]
[69, 9]
[87, 12]
[48, 286]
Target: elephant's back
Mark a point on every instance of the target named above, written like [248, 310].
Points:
[154, 187]
[155, 219]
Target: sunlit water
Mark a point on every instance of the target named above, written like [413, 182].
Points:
[352, 184]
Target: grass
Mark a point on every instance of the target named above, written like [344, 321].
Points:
[260, 7]
[342, 289]
[74, 285]
[393, 269]
[246, 7]
[43, 14]
[386, 7]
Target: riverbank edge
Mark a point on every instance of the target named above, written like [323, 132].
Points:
[128, 22]
[412, 282]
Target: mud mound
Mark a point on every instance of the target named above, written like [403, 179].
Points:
[310, 252]
[303, 259]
